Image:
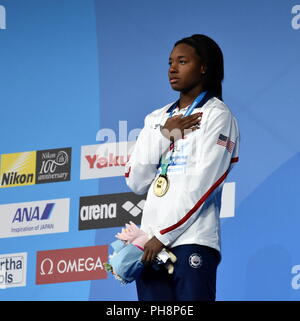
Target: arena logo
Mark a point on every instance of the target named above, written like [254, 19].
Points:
[96, 212]
[13, 270]
[68, 265]
[296, 18]
[133, 209]
[295, 283]
[34, 218]
[2, 18]
[110, 210]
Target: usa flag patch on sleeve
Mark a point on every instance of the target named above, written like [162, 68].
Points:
[226, 142]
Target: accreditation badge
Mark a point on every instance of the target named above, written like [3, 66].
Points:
[161, 185]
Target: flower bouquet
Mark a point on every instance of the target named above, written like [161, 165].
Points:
[125, 262]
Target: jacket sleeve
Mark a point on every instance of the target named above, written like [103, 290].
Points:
[213, 161]
[145, 156]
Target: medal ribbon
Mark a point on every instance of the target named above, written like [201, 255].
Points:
[165, 162]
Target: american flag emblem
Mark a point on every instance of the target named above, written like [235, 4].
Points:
[226, 142]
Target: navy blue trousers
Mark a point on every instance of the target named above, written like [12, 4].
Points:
[193, 279]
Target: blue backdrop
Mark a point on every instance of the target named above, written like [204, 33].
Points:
[71, 67]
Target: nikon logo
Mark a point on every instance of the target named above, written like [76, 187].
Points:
[18, 169]
[15, 178]
[2, 17]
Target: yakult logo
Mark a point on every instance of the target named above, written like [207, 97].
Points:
[96, 161]
[68, 265]
[104, 160]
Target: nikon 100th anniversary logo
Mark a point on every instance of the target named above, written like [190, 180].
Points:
[35, 167]
[53, 165]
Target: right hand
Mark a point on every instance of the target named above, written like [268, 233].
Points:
[177, 126]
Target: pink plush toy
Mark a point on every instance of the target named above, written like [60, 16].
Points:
[132, 234]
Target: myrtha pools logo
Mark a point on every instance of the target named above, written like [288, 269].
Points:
[13, 270]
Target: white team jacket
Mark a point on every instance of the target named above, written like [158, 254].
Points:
[189, 212]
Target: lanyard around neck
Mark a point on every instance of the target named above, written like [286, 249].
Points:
[198, 102]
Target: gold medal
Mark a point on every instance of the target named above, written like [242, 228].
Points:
[161, 185]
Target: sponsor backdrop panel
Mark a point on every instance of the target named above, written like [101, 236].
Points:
[49, 108]
[78, 78]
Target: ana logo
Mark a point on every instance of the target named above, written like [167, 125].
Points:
[67, 265]
[18, 169]
[296, 19]
[195, 260]
[29, 214]
[2, 17]
[32, 218]
[134, 210]
[13, 270]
